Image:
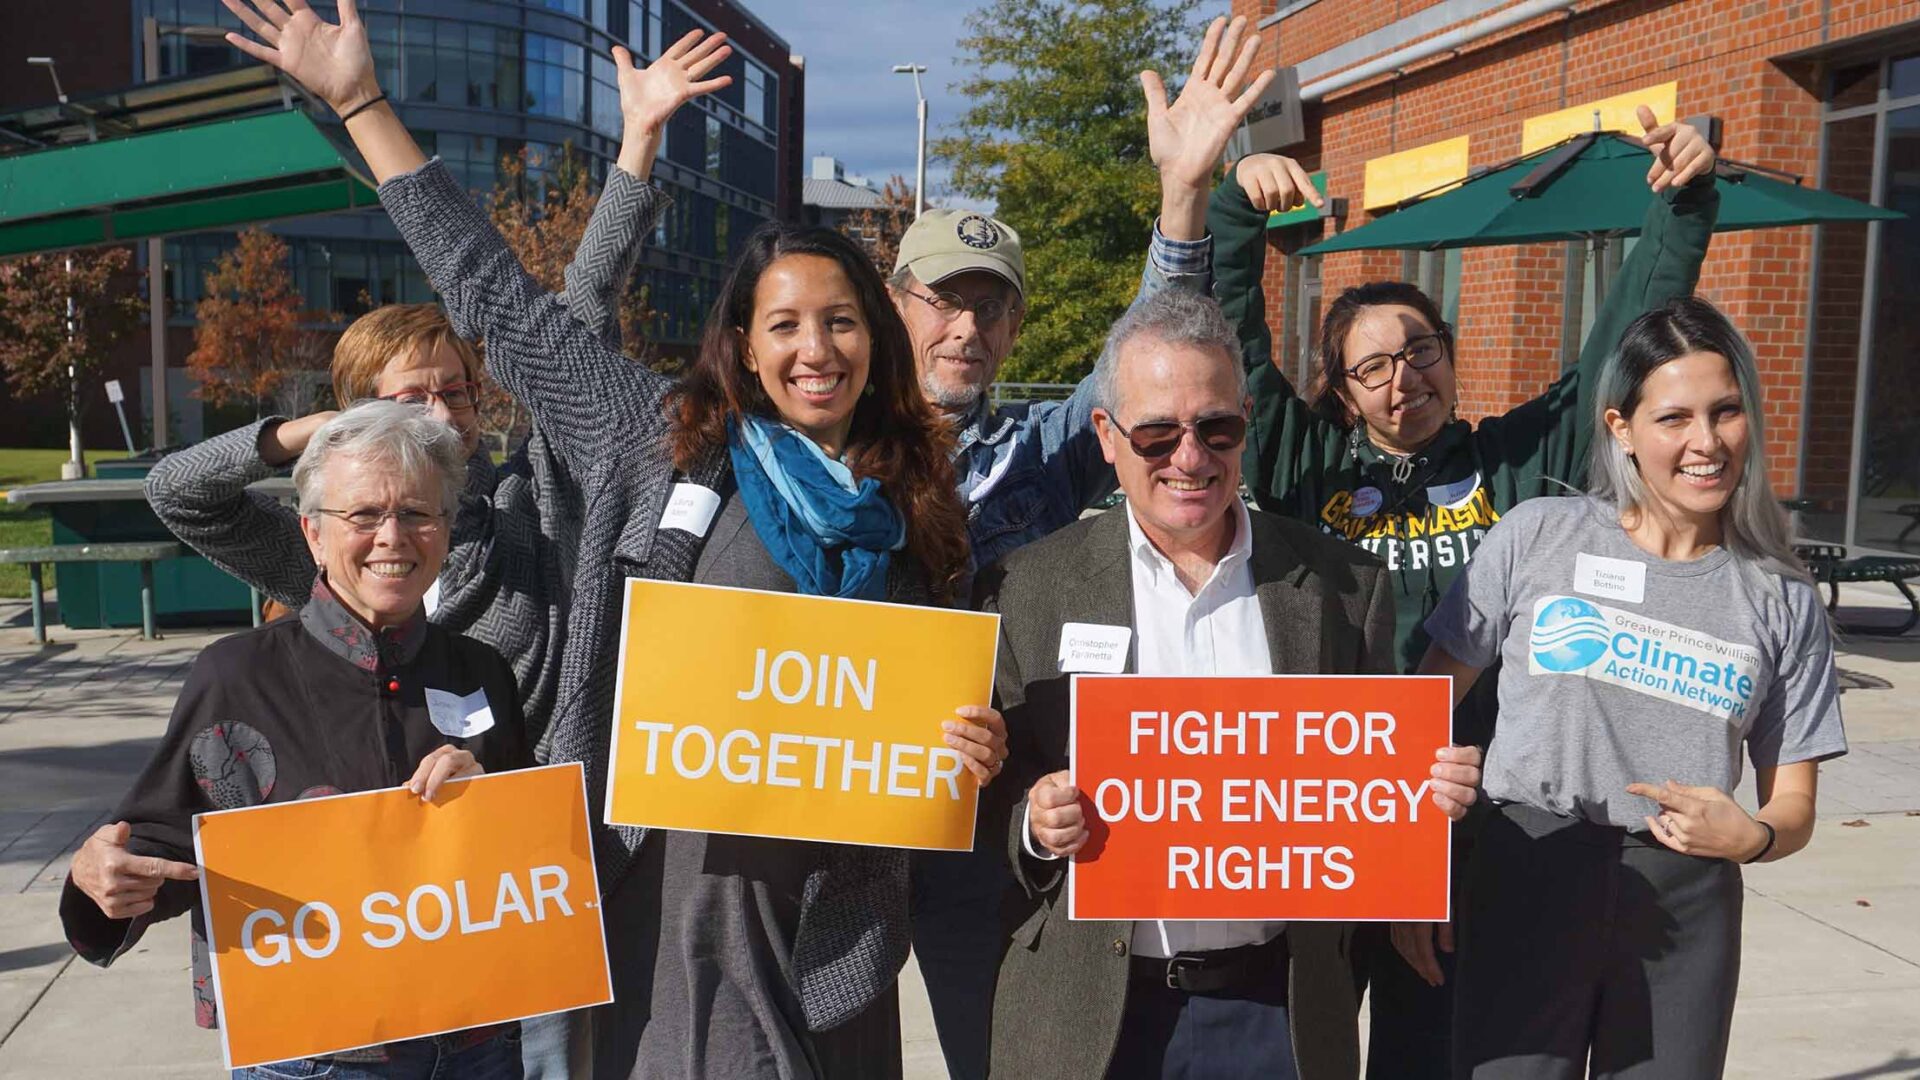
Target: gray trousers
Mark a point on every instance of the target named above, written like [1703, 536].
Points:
[1586, 947]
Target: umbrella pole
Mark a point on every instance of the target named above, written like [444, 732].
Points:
[1599, 272]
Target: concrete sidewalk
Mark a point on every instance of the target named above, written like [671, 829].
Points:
[1830, 983]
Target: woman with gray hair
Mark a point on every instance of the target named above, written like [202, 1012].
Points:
[335, 701]
[1647, 632]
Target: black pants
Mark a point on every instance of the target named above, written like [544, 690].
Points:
[957, 941]
[1238, 1034]
[1586, 947]
[1410, 1023]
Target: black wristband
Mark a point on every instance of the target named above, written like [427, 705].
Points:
[1771, 837]
[362, 107]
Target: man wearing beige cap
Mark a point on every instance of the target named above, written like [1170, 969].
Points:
[1027, 469]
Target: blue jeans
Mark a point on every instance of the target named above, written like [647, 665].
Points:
[432, 1058]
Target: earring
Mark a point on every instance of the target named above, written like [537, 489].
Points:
[868, 392]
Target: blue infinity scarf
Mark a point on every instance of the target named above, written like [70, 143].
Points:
[831, 534]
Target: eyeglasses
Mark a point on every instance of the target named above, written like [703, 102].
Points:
[459, 396]
[1419, 353]
[986, 312]
[367, 520]
[1159, 438]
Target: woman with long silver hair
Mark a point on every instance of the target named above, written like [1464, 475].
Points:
[1647, 632]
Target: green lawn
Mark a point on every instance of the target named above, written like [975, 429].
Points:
[21, 527]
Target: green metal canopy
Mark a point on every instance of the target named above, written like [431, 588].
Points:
[1590, 187]
[176, 180]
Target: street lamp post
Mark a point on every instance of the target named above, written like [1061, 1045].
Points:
[920, 152]
[73, 468]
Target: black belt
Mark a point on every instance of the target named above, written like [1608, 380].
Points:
[1216, 970]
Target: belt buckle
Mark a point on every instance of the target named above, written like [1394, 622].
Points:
[1178, 966]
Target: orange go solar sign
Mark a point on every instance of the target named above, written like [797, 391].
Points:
[1290, 797]
[352, 920]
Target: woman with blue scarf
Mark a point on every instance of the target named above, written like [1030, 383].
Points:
[797, 455]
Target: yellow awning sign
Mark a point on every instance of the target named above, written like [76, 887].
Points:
[1616, 114]
[1424, 170]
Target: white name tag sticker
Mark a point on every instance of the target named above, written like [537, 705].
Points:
[690, 508]
[461, 716]
[1093, 648]
[1613, 579]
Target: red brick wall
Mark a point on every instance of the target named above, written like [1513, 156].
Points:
[1722, 53]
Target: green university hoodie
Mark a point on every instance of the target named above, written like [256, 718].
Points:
[1426, 527]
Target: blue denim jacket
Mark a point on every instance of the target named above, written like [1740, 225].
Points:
[1030, 468]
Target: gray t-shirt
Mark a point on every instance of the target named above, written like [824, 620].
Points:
[1621, 667]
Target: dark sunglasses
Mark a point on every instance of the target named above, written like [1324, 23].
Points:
[1162, 437]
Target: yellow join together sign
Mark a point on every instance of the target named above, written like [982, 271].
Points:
[800, 717]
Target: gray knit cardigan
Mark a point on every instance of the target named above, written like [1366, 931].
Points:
[510, 558]
[605, 419]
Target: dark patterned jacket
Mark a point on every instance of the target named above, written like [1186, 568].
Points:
[299, 708]
[510, 559]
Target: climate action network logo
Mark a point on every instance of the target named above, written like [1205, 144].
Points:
[1568, 635]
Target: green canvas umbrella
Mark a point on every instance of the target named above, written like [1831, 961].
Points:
[1591, 187]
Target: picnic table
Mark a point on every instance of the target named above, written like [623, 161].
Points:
[94, 595]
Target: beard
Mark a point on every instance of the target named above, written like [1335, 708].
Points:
[951, 397]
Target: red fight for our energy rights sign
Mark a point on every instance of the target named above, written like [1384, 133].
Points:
[1262, 798]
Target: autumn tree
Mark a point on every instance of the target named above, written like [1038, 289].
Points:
[1055, 136]
[543, 213]
[254, 342]
[878, 229]
[43, 350]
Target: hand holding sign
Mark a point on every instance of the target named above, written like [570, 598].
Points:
[122, 883]
[444, 764]
[1680, 152]
[981, 738]
[1456, 779]
[1055, 816]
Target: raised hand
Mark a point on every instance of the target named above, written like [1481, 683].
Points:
[649, 95]
[333, 62]
[1272, 182]
[1187, 138]
[1680, 152]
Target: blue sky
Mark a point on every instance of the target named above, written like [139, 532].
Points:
[857, 109]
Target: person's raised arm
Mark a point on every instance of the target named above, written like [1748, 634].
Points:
[200, 494]
[582, 394]
[629, 204]
[1555, 430]
[1185, 139]
[1285, 437]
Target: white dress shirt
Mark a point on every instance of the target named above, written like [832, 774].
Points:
[1215, 630]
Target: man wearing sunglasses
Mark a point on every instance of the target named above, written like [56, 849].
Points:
[1029, 468]
[1183, 580]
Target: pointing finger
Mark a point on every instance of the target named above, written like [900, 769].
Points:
[1645, 115]
[1303, 184]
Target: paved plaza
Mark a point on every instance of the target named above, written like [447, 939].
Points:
[1830, 980]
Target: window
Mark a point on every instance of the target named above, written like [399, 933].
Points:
[714, 141]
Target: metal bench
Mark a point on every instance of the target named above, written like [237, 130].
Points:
[145, 553]
[1830, 566]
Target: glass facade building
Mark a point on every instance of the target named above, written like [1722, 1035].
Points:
[482, 80]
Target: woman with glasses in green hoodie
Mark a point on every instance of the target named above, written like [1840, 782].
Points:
[1374, 452]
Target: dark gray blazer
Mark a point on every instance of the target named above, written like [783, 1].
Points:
[1062, 986]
